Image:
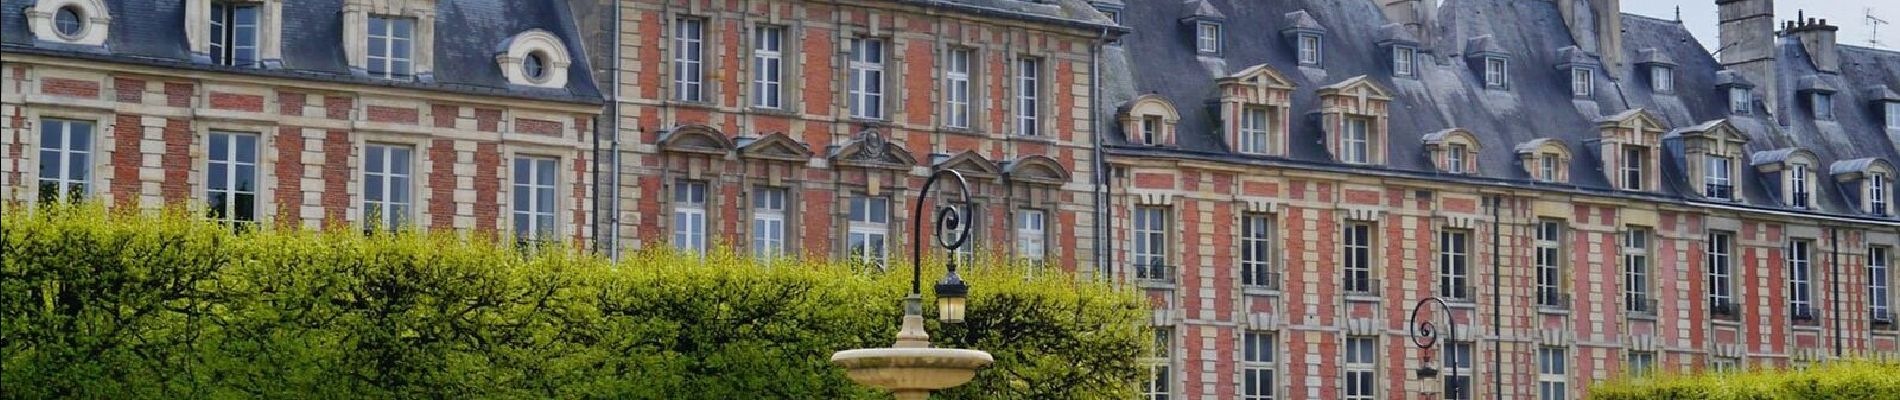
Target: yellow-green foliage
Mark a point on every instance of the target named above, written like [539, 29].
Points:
[98, 305]
[1843, 380]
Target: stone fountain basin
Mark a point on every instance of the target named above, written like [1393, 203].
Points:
[911, 369]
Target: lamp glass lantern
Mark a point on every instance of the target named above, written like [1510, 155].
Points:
[952, 295]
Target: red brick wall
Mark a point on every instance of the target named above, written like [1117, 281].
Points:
[238, 102]
[337, 168]
[70, 87]
[289, 172]
[177, 159]
[538, 127]
[128, 90]
[442, 187]
[290, 103]
[178, 94]
[392, 114]
[127, 157]
[488, 184]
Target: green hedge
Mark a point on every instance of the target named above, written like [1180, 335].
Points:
[105, 305]
[1844, 380]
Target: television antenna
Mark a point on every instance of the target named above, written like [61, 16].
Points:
[1873, 27]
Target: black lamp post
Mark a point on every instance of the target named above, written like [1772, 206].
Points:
[1425, 336]
[951, 291]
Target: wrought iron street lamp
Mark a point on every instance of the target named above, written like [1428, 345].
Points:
[1425, 336]
[910, 368]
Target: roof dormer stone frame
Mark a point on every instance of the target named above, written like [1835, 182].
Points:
[356, 15]
[1257, 88]
[94, 21]
[1345, 105]
[1149, 120]
[1793, 173]
[1545, 159]
[1453, 150]
[1635, 129]
[270, 32]
[1857, 178]
[511, 55]
[1702, 144]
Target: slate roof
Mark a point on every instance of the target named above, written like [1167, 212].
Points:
[1447, 93]
[151, 32]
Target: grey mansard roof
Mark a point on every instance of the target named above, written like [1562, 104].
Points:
[152, 32]
[1158, 58]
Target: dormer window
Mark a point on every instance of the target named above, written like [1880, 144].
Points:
[1545, 159]
[1740, 101]
[234, 28]
[1453, 150]
[1402, 60]
[1495, 73]
[1710, 150]
[66, 22]
[1309, 50]
[1662, 79]
[1877, 193]
[1581, 82]
[1253, 110]
[1634, 168]
[1254, 128]
[1791, 172]
[1354, 120]
[1149, 121]
[1717, 184]
[1823, 104]
[1893, 115]
[1207, 38]
[1799, 191]
[1867, 182]
[534, 58]
[391, 39]
[79, 22]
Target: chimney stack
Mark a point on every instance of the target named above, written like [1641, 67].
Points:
[1817, 38]
[1414, 15]
[1597, 27]
[1748, 44]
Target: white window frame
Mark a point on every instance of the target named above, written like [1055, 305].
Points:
[73, 180]
[1717, 173]
[956, 87]
[1547, 168]
[1496, 73]
[1640, 363]
[1637, 271]
[1207, 38]
[689, 216]
[1028, 96]
[1877, 193]
[1032, 235]
[1740, 101]
[866, 81]
[227, 44]
[1256, 250]
[1361, 373]
[535, 221]
[1553, 382]
[1549, 261]
[1454, 264]
[1356, 244]
[1160, 382]
[1879, 281]
[1455, 158]
[1800, 260]
[1258, 356]
[389, 177]
[768, 67]
[768, 221]
[233, 166]
[1356, 143]
[1582, 82]
[872, 231]
[1151, 130]
[1255, 125]
[1799, 194]
[1634, 168]
[389, 64]
[1311, 49]
[1404, 60]
[689, 52]
[1720, 251]
[1458, 371]
[1893, 115]
[1662, 79]
[1151, 243]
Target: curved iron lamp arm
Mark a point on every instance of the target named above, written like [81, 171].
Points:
[947, 218]
[1425, 336]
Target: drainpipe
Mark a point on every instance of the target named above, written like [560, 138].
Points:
[613, 145]
[1097, 176]
[1497, 307]
[1834, 242]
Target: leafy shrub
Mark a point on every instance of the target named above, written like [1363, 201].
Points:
[1835, 380]
[99, 304]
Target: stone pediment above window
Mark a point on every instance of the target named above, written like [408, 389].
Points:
[775, 146]
[1149, 120]
[700, 139]
[871, 150]
[1719, 130]
[1634, 126]
[1711, 157]
[1453, 150]
[1859, 168]
[1545, 159]
[1778, 159]
[1259, 77]
[1358, 94]
[1632, 149]
[1037, 169]
[1353, 119]
[1255, 105]
[969, 163]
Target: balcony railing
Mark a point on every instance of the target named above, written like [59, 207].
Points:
[1882, 318]
[1458, 294]
[1723, 309]
[1800, 200]
[1263, 281]
[1805, 315]
[1553, 301]
[1721, 191]
[1362, 287]
[1154, 274]
[1879, 209]
[1642, 308]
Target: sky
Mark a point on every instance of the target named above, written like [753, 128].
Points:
[1850, 15]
